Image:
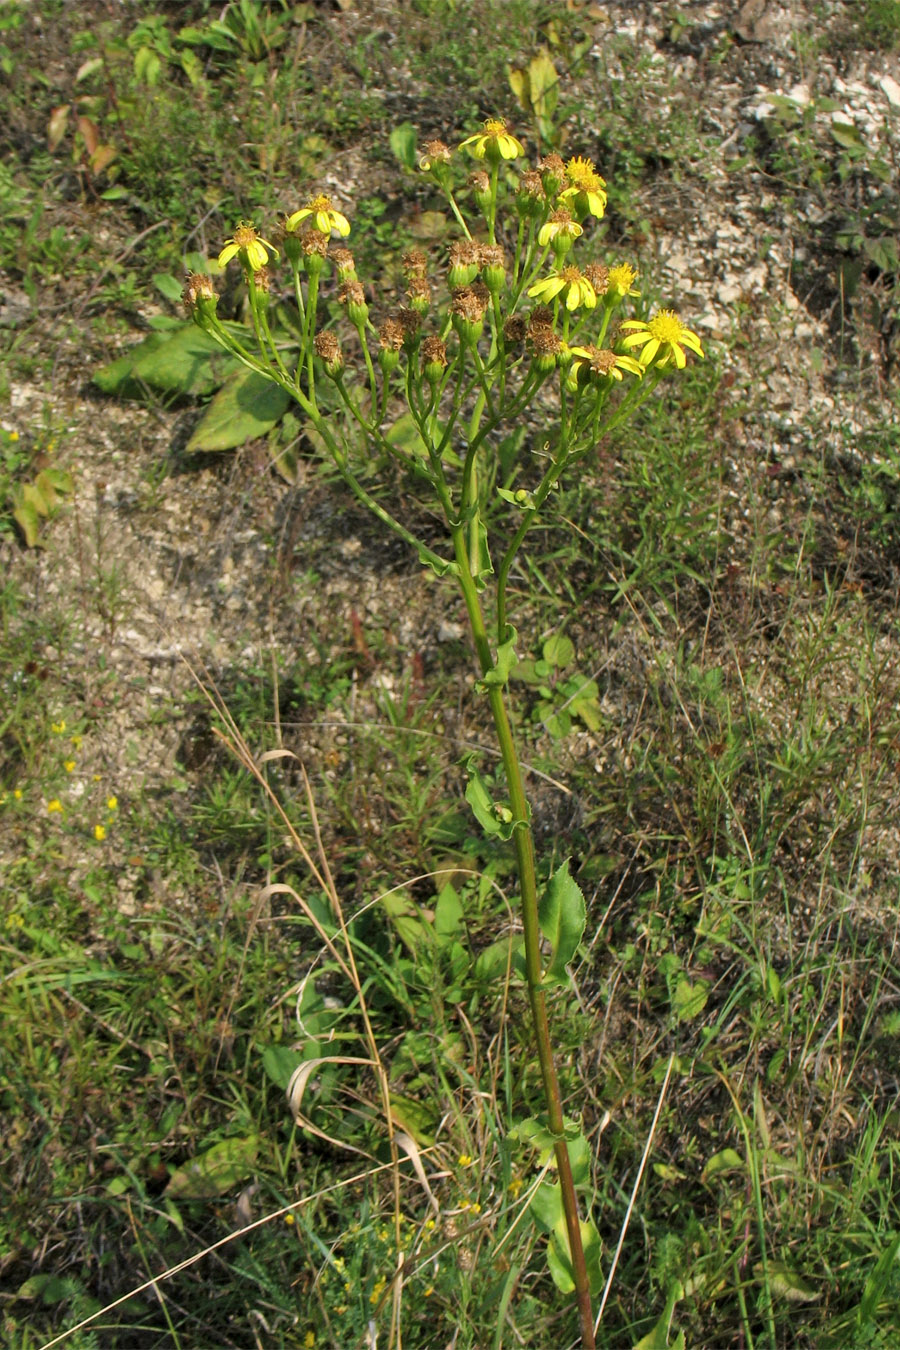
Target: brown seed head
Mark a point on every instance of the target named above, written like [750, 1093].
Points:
[434, 352]
[436, 152]
[514, 330]
[414, 263]
[491, 255]
[598, 276]
[409, 321]
[464, 253]
[352, 293]
[197, 286]
[530, 185]
[327, 346]
[469, 303]
[544, 342]
[541, 317]
[343, 261]
[479, 182]
[419, 290]
[390, 335]
[314, 242]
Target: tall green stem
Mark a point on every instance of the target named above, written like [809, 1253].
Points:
[523, 842]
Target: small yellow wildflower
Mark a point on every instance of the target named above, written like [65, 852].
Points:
[247, 242]
[428, 1292]
[620, 281]
[14, 921]
[309, 1340]
[515, 1187]
[112, 803]
[99, 833]
[289, 1219]
[571, 283]
[377, 1291]
[54, 805]
[17, 793]
[559, 225]
[58, 727]
[493, 142]
[69, 765]
[586, 187]
[75, 742]
[324, 217]
[663, 333]
[464, 1160]
[601, 361]
[13, 435]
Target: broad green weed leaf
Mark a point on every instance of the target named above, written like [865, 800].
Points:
[689, 999]
[786, 1282]
[219, 1170]
[279, 1063]
[658, 1337]
[495, 818]
[559, 651]
[183, 361]
[403, 143]
[727, 1160]
[448, 914]
[244, 409]
[562, 917]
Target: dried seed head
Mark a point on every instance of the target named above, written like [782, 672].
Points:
[390, 335]
[514, 330]
[598, 276]
[414, 263]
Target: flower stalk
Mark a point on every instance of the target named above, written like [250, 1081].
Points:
[511, 373]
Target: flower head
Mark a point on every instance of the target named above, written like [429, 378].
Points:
[600, 361]
[664, 333]
[328, 349]
[560, 230]
[199, 294]
[493, 142]
[436, 155]
[586, 190]
[620, 281]
[325, 217]
[571, 283]
[251, 246]
[99, 833]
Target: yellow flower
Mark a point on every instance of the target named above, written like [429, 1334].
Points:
[14, 920]
[325, 217]
[663, 333]
[493, 142]
[309, 1340]
[570, 282]
[54, 805]
[17, 793]
[586, 187]
[601, 361]
[559, 225]
[247, 242]
[75, 742]
[112, 803]
[465, 1160]
[621, 280]
[99, 833]
[69, 765]
[58, 727]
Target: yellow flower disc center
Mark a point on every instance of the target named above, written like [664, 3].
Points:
[320, 203]
[244, 236]
[665, 326]
[581, 174]
[494, 126]
[570, 274]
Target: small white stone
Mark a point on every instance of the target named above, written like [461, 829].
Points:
[891, 90]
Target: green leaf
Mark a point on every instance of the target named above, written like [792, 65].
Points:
[689, 999]
[29, 522]
[448, 914]
[521, 498]
[219, 1170]
[658, 1337]
[184, 360]
[786, 1282]
[495, 819]
[247, 407]
[559, 651]
[279, 1063]
[495, 960]
[168, 286]
[727, 1160]
[402, 141]
[485, 567]
[562, 917]
[506, 659]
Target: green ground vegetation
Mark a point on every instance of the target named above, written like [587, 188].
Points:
[200, 981]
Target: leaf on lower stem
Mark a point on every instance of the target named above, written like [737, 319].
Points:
[498, 675]
[562, 917]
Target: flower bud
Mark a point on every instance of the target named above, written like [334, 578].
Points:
[434, 362]
[200, 298]
[344, 262]
[493, 267]
[463, 264]
[480, 184]
[390, 340]
[353, 296]
[467, 310]
[328, 349]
